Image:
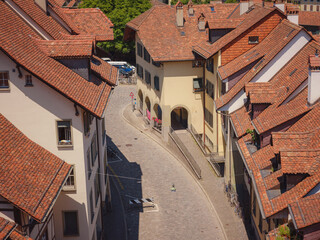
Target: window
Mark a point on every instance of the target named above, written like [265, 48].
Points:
[253, 39]
[28, 81]
[209, 65]
[305, 7]
[94, 149]
[97, 188]
[89, 162]
[140, 71]
[156, 83]
[208, 117]
[210, 89]
[157, 64]
[139, 49]
[70, 223]
[260, 222]
[197, 63]
[70, 183]
[311, 8]
[146, 55]
[147, 77]
[91, 207]
[197, 84]
[86, 123]
[4, 80]
[64, 133]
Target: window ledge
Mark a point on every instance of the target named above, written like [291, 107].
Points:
[65, 146]
[28, 85]
[198, 90]
[69, 189]
[4, 89]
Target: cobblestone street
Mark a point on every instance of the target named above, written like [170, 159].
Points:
[143, 169]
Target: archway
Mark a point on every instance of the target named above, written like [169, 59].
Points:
[179, 118]
[140, 95]
[158, 116]
[148, 108]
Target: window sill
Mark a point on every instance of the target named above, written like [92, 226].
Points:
[69, 189]
[5, 89]
[65, 146]
[198, 90]
[29, 85]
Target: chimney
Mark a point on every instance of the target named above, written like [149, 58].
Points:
[201, 22]
[280, 5]
[179, 14]
[43, 4]
[190, 8]
[244, 6]
[314, 78]
[292, 13]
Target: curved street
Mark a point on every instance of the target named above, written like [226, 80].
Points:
[140, 168]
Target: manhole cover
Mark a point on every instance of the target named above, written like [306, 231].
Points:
[128, 145]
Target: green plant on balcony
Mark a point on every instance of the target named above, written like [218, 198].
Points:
[253, 135]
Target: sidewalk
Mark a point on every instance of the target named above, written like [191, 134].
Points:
[211, 185]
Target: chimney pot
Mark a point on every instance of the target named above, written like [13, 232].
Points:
[179, 14]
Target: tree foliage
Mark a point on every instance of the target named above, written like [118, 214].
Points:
[119, 12]
[173, 2]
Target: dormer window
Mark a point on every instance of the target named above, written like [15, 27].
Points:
[253, 40]
[28, 81]
[212, 8]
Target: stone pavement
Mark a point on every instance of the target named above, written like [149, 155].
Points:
[141, 168]
[211, 185]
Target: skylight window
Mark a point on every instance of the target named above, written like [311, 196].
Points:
[212, 9]
[183, 34]
[292, 72]
[253, 39]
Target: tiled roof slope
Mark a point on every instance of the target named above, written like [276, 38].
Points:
[18, 41]
[31, 177]
[66, 48]
[224, 23]
[165, 41]
[308, 18]
[265, 50]
[306, 211]
[104, 70]
[251, 18]
[6, 228]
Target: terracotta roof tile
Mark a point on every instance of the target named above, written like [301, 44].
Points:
[300, 161]
[273, 180]
[314, 61]
[18, 42]
[308, 18]
[178, 43]
[15, 235]
[265, 51]
[241, 121]
[6, 228]
[306, 211]
[104, 70]
[263, 157]
[31, 177]
[66, 48]
[224, 23]
[251, 18]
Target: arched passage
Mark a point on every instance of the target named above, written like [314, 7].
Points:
[140, 96]
[179, 118]
[158, 111]
[148, 108]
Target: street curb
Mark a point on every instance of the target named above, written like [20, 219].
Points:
[188, 170]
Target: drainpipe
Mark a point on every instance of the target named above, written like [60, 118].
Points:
[99, 167]
[204, 104]
[217, 124]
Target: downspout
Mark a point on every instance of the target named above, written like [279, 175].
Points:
[99, 167]
[217, 124]
[204, 104]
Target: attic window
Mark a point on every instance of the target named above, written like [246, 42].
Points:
[253, 39]
[258, 64]
[292, 72]
[212, 9]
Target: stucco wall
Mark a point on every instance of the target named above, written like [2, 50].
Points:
[34, 111]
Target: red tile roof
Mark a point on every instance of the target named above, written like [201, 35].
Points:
[18, 41]
[178, 41]
[241, 120]
[306, 211]
[104, 70]
[66, 48]
[224, 23]
[314, 61]
[15, 235]
[91, 22]
[6, 228]
[300, 161]
[31, 177]
[266, 51]
[251, 18]
[308, 18]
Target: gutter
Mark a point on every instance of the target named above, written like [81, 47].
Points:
[41, 79]
[292, 215]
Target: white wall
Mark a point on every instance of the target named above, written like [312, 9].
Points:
[283, 57]
[34, 111]
[313, 86]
